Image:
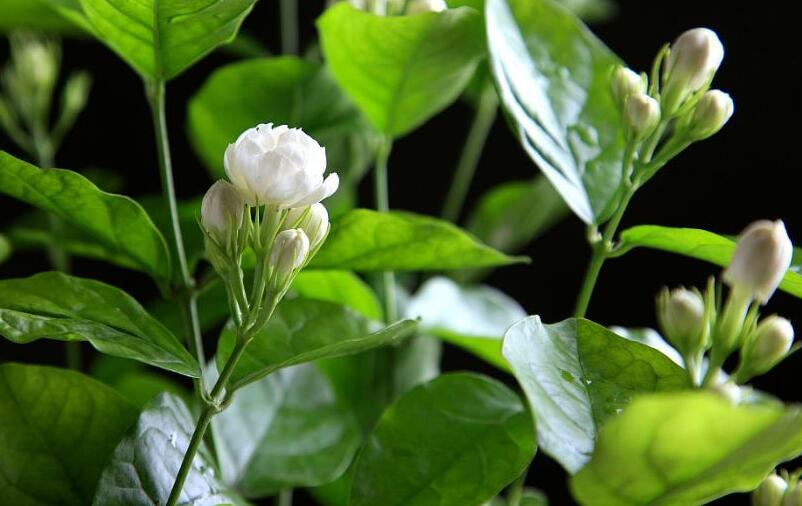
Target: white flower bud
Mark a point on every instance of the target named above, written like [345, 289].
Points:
[419, 6]
[769, 344]
[222, 210]
[711, 113]
[36, 60]
[76, 92]
[681, 313]
[793, 497]
[761, 258]
[279, 166]
[694, 58]
[289, 251]
[641, 114]
[626, 82]
[314, 222]
[770, 492]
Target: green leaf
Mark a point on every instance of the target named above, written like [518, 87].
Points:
[116, 222]
[58, 429]
[514, 213]
[52, 305]
[401, 70]
[159, 38]
[576, 374]
[302, 331]
[471, 317]
[285, 431]
[134, 380]
[32, 15]
[188, 214]
[553, 77]
[284, 90]
[143, 467]
[687, 448]
[365, 240]
[702, 245]
[369, 382]
[341, 287]
[454, 441]
[74, 242]
[213, 309]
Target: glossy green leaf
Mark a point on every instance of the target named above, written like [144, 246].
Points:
[365, 240]
[116, 222]
[213, 309]
[341, 287]
[283, 90]
[454, 441]
[57, 430]
[702, 245]
[188, 214]
[514, 213]
[553, 77]
[135, 381]
[32, 15]
[52, 305]
[142, 469]
[576, 374]
[285, 431]
[471, 317]
[71, 240]
[159, 38]
[687, 448]
[401, 70]
[302, 331]
[369, 382]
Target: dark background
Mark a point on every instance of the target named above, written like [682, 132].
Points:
[746, 172]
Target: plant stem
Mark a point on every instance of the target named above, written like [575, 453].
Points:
[383, 204]
[188, 298]
[285, 497]
[469, 159]
[604, 245]
[209, 410]
[289, 26]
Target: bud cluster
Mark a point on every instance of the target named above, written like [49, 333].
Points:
[674, 102]
[272, 207]
[27, 85]
[694, 323]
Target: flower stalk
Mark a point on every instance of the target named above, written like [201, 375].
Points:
[381, 190]
[187, 298]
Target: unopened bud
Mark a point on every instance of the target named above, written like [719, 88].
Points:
[694, 58]
[711, 113]
[681, 313]
[221, 211]
[289, 251]
[761, 258]
[770, 492]
[314, 221]
[793, 496]
[769, 344]
[36, 61]
[419, 6]
[642, 114]
[76, 92]
[626, 82]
